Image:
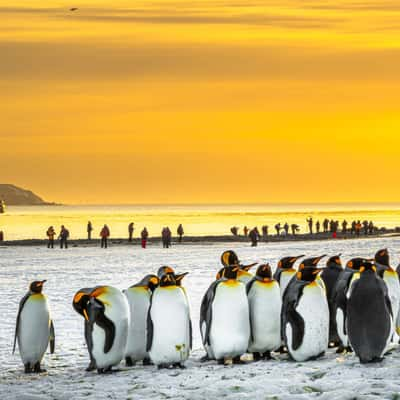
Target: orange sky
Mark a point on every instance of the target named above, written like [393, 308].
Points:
[201, 101]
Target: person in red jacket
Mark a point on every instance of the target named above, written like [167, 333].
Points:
[144, 236]
[104, 234]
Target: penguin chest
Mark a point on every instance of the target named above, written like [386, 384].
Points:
[139, 303]
[34, 329]
[286, 276]
[117, 311]
[171, 326]
[265, 305]
[392, 282]
[313, 308]
[230, 325]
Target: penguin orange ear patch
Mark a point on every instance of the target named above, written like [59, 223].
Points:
[298, 275]
[350, 264]
[301, 266]
[279, 264]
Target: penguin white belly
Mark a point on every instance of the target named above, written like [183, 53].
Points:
[286, 276]
[34, 329]
[230, 325]
[171, 326]
[313, 308]
[265, 305]
[340, 327]
[139, 302]
[391, 279]
[117, 310]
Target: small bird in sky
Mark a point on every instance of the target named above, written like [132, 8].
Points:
[73, 9]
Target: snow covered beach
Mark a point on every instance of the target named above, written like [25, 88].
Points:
[332, 377]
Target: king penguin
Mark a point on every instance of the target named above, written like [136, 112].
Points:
[230, 258]
[340, 297]
[285, 272]
[369, 322]
[168, 270]
[265, 306]
[305, 315]
[139, 297]
[224, 318]
[330, 275]
[391, 278]
[106, 312]
[169, 329]
[34, 329]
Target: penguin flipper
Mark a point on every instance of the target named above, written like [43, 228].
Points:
[109, 329]
[206, 311]
[21, 306]
[248, 288]
[297, 324]
[52, 337]
[190, 334]
[277, 275]
[150, 328]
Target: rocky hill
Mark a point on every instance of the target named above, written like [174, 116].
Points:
[14, 195]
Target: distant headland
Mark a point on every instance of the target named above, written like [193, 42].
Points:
[15, 196]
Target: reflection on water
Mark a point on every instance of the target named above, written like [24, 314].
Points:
[32, 222]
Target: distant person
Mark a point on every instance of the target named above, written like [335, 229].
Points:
[89, 230]
[310, 225]
[63, 236]
[365, 226]
[51, 234]
[278, 229]
[371, 227]
[358, 228]
[131, 228]
[166, 237]
[286, 228]
[253, 235]
[353, 227]
[317, 226]
[295, 228]
[234, 230]
[180, 232]
[246, 231]
[344, 226]
[325, 225]
[144, 235]
[104, 234]
[1, 236]
[264, 231]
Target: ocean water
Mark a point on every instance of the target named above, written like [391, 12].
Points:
[27, 222]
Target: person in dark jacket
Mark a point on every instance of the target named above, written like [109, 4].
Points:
[180, 232]
[144, 235]
[104, 234]
[166, 237]
[295, 229]
[131, 228]
[64, 235]
[264, 230]
[253, 235]
[317, 226]
[310, 225]
[51, 234]
[89, 229]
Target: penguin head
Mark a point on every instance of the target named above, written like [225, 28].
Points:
[81, 299]
[264, 271]
[334, 261]
[229, 258]
[288, 262]
[382, 257]
[36, 286]
[311, 262]
[93, 309]
[308, 274]
[356, 263]
[229, 272]
[151, 281]
[179, 277]
[167, 280]
[367, 265]
[165, 270]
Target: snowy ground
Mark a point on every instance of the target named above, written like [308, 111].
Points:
[332, 377]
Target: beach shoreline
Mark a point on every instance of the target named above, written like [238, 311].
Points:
[208, 239]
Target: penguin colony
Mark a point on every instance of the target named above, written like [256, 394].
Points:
[301, 311]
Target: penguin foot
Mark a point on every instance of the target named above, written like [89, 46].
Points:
[37, 368]
[237, 360]
[129, 362]
[178, 365]
[91, 366]
[107, 370]
[205, 358]
[221, 361]
[257, 357]
[28, 368]
[267, 355]
[161, 366]
[147, 362]
[282, 350]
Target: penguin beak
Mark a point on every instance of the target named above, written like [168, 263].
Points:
[317, 271]
[318, 259]
[247, 267]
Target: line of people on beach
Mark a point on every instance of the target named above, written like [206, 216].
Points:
[299, 311]
[105, 233]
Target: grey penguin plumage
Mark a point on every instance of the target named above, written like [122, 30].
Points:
[34, 328]
[305, 313]
[284, 271]
[369, 323]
